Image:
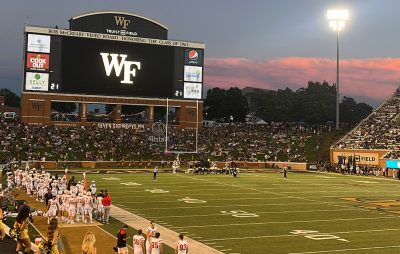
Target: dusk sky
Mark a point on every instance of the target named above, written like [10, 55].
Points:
[271, 44]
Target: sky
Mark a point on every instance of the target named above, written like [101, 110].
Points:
[270, 44]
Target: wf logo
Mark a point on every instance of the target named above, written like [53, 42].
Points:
[36, 105]
[117, 63]
[122, 22]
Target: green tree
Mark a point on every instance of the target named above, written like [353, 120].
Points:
[10, 98]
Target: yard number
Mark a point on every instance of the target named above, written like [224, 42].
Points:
[192, 200]
[240, 214]
[316, 235]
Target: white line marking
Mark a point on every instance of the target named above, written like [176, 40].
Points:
[292, 235]
[345, 250]
[288, 222]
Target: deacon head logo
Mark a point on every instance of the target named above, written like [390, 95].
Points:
[117, 63]
[122, 22]
[193, 55]
[158, 128]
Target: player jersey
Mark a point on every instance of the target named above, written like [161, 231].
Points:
[81, 201]
[88, 201]
[53, 204]
[152, 231]
[182, 246]
[137, 244]
[155, 245]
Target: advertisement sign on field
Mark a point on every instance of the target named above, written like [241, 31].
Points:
[37, 62]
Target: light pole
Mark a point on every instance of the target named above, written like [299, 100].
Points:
[337, 20]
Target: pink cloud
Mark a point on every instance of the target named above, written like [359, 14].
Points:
[369, 78]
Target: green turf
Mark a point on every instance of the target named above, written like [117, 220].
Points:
[305, 213]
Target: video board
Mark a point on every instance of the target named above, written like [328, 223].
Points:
[72, 62]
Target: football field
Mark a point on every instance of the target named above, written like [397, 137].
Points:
[260, 213]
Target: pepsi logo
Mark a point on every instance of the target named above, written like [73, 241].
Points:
[193, 55]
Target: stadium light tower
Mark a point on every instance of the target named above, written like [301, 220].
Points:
[337, 20]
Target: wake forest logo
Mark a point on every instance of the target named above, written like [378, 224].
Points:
[117, 63]
[122, 22]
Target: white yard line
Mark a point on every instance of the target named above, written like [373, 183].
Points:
[287, 222]
[292, 235]
[256, 212]
[346, 250]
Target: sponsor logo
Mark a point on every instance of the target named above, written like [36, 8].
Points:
[117, 63]
[158, 130]
[38, 43]
[192, 90]
[39, 62]
[193, 55]
[122, 22]
[193, 73]
[37, 81]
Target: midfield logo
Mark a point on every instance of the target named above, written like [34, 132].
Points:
[118, 61]
[122, 22]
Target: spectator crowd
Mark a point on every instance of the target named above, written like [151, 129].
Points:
[241, 142]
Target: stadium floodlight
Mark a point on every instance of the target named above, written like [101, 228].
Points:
[337, 20]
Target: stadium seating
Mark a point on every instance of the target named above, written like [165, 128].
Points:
[380, 130]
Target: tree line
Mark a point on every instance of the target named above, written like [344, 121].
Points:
[314, 104]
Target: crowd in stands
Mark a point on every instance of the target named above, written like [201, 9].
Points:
[394, 155]
[380, 130]
[243, 142]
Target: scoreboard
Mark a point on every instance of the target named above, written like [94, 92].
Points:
[86, 63]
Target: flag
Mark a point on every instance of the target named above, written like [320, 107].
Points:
[84, 181]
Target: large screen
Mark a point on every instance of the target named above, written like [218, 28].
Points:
[90, 66]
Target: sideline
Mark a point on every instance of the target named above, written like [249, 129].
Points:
[169, 236]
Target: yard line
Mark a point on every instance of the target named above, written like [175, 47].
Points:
[345, 250]
[289, 222]
[169, 201]
[270, 192]
[233, 205]
[256, 212]
[293, 235]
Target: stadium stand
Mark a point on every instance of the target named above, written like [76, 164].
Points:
[241, 142]
[380, 130]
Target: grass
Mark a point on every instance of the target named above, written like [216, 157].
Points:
[263, 213]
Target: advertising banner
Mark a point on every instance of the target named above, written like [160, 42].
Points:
[362, 158]
[35, 81]
[37, 62]
[194, 57]
[193, 73]
[395, 164]
[192, 90]
[38, 43]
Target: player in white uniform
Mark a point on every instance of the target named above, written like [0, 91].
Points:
[72, 201]
[181, 246]
[93, 188]
[52, 209]
[156, 244]
[151, 232]
[100, 207]
[79, 209]
[88, 207]
[138, 243]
